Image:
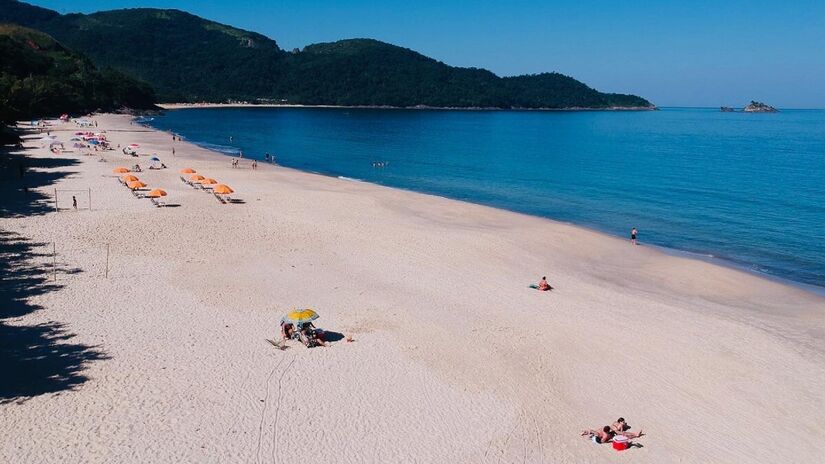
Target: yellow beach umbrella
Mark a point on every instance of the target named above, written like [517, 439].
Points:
[209, 181]
[128, 178]
[222, 189]
[196, 178]
[120, 170]
[187, 171]
[156, 193]
[135, 184]
[300, 316]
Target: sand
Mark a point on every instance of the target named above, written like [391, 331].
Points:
[454, 359]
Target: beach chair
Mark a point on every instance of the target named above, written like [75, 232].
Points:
[219, 198]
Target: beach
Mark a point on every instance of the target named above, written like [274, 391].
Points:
[149, 326]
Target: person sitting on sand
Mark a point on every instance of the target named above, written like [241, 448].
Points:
[620, 426]
[543, 285]
[311, 333]
[287, 330]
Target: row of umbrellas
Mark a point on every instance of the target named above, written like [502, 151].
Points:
[195, 178]
[134, 183]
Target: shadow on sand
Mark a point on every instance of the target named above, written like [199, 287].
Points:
[40, 358]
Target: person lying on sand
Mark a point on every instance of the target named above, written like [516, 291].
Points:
[607, 433]
[543, 285]
[600, 436]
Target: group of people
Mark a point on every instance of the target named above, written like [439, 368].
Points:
[609, 432]
[306, 332]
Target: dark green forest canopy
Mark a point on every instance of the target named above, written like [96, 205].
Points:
[188, 59]
[38, 76]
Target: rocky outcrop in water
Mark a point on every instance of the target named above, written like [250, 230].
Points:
[759, 107]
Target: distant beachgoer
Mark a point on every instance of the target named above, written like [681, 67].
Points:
[266, 157]
[230, 139]
[74, 202]
[273, 158]
[240, 154]
[173, 151]
[137, 168]
[254, 164]
[633, 234]
[543, 285]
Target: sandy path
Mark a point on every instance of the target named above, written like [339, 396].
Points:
[455, 360]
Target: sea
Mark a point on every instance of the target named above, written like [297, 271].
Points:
[741, 189]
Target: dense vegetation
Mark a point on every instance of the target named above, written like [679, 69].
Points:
[38, 76]
[187, 58]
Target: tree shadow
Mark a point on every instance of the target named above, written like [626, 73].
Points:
[18, 179]
[40, 358]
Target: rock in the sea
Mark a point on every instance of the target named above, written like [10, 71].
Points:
[759, 107]
[727, 109]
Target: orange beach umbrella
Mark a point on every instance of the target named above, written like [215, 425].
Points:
[209, 181]
[128, 178]
[120, 170]
[222, 189]
[156, 193]
[187, 171]
[196, 178]
[135, 184]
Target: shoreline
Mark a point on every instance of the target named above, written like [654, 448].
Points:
[168, 348]
[703, 256]
[178, 106]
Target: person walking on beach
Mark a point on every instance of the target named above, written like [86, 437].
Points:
[254, 165]
[74, 202]
[633, 233]
[173, 151]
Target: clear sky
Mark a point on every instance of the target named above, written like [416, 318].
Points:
[675, 53]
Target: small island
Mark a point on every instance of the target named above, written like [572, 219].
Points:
[759, 107]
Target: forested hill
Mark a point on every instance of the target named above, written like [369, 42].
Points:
[186, 58]
[38, 76]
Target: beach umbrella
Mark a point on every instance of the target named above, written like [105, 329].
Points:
[154, 158]
[222, 189]
[79, 145]
[209, 181]
[135, 184]
[187, 171]
[120, 170]
[156, 193]
[93, 142]
[128, 178]
[134, 145]
[300, 316]
[196, 178]
[74, 139]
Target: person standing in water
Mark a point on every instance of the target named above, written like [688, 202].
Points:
[633, 233]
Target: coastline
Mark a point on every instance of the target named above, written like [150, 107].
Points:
[178, 106]
[450, 342]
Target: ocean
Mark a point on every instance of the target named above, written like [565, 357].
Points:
[742, 189]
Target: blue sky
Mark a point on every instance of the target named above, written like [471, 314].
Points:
[682, 53]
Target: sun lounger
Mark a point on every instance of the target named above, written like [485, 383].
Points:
[219, 198]
[157, 202]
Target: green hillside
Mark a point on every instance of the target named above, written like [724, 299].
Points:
[186, 58]
[38, 76]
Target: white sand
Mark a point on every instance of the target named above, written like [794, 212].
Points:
[454, 359]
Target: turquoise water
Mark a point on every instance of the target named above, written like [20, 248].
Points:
[745, 188]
